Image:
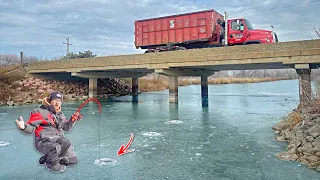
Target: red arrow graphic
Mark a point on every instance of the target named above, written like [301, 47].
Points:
[123, 149]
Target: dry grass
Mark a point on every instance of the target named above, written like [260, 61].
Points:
[5, 69]
[6, 93]
[9, 78]
[191, 81]
[147, 85]
[152, 85]
[241, 80]
[158, 84]
[295, 118]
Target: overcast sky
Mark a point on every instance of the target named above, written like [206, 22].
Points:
[39, 27]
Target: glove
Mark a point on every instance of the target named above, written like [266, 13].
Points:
[76, 116]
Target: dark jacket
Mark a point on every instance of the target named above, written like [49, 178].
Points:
[47, 124]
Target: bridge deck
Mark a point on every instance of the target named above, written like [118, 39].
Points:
[262, 56]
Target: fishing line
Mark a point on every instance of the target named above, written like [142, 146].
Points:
[100, 111]
[99, 137]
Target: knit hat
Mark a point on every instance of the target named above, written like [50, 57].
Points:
[55, 95]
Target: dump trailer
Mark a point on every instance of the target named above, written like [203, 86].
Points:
[201, 29]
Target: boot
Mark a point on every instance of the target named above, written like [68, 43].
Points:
[54, 165]
[64, 161]
[43, 159]
[56, 168]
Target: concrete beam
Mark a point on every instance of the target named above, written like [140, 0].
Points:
[93, 84]
[108, 74]
[303, 59]
[184, 72]
[173, 89]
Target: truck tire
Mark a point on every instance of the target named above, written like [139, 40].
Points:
[181, 48]
[252, 42]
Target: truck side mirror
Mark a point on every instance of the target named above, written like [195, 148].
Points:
[241, 28]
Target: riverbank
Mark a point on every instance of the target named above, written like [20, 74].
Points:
[33, 90]
[301, 130]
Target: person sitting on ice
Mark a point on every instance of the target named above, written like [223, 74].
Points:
[48, 123]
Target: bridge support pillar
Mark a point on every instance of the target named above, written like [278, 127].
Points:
[135, 89]
[204, 90]
[305, 92]
[173, 89]
[93, 84]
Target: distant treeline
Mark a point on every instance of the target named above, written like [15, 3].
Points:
[12, 59]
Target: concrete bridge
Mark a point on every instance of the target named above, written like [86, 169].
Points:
[299, 55]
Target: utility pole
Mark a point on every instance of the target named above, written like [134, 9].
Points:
[21, 58]
[67, 43]
[226, 29]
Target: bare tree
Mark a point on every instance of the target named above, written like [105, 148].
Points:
[9, 59]
[30, 59]
[56, 58]
[317, 31]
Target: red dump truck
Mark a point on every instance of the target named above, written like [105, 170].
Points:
[201, 29]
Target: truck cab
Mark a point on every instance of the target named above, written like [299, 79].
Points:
[241, 31]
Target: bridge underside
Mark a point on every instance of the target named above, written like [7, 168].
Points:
[173, 73]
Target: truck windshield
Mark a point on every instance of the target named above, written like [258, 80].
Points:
[249, 25]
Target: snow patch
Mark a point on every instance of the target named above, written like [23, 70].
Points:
[174, 122]
[152, 134]
[4, 144]
[105, 161]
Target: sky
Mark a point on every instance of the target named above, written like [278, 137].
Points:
[106, 27]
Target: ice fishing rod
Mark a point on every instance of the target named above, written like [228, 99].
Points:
[88, 100]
